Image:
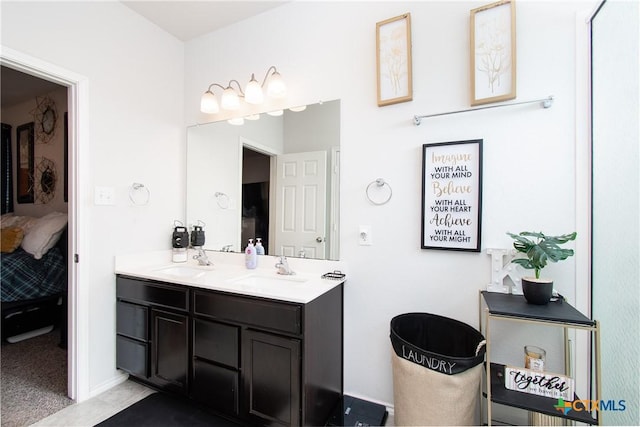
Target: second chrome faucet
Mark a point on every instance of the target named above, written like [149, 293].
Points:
[283, 266]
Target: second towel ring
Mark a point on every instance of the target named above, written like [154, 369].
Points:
[380, 184]
[222, 200]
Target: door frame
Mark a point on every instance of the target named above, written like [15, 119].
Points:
[78, 301]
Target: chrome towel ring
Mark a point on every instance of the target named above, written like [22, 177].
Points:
[381, 186]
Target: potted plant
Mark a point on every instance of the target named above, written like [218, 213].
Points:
[539, 249]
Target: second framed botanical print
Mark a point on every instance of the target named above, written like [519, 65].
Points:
[493, 53]
[393, 55]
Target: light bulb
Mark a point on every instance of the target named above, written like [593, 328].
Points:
[209, 103]
[253, 117]
[275, 113]
[230, 100]
[253, 92]
[276, 87]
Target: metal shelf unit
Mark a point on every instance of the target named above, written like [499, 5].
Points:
[507, 307]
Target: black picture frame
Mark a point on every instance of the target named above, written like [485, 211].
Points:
[452, 195]
[66, 156]
[25, 135]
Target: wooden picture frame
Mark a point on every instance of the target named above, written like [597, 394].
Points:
[25, 135]
[493, 53]
[393, 60]
[452, 195]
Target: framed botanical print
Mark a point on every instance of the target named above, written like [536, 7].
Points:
[393, 55]
[493, 53]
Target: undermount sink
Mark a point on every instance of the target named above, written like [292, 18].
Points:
[182, 271]
[261, 280]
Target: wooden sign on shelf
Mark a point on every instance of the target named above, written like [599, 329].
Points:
[545, 384]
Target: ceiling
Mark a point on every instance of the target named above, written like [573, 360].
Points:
[19, 87]
[189, 19]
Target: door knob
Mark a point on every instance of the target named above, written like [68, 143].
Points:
[319, 239]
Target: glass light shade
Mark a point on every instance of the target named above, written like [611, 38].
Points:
[209, 103]
[276, 87]
[275, 113]
[238, 121]
[253, 92]
[253, 117]
[230, 99]
[298, 108]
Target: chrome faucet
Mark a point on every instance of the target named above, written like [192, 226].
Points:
[283, 266]
[201, 257]
[226, 248]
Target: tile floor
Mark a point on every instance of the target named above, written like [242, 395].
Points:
[98, 408]
[101, 407]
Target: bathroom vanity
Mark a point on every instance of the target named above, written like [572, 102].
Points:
[232, 339]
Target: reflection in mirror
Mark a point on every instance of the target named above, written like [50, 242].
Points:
[276, 178]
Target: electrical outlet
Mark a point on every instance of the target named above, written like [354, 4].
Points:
[105, 196]
[365, 238]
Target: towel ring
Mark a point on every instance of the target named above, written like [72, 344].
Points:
[222, 200]
[139, 194]
[379, 184]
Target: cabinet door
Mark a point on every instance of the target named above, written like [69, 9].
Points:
[169, 350]
[271, 377]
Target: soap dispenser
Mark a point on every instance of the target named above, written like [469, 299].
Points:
[251, 258]
[259, 247]
[179, 243]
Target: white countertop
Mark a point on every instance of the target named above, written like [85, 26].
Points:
[229, 274]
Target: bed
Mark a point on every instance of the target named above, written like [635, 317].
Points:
[34, 276]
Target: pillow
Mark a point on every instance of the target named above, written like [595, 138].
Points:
[24, 222]
[44, 234]
[11, 239]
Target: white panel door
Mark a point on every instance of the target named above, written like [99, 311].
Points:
[301, 199]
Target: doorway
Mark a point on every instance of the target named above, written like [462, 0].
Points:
[78, 301]
[256, 178]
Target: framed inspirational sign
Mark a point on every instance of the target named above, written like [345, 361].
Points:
[452, 195]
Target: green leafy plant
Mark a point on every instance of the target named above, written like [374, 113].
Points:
[540, 249]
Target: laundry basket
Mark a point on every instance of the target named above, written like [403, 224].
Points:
[437, 368]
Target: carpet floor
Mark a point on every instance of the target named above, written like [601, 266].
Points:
[33, 378]
[162, 410]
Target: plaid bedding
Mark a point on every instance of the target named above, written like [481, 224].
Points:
[24, 277]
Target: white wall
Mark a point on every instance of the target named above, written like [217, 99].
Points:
[326, 50]
[135, 134]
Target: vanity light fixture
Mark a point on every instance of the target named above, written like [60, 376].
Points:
[253, 93]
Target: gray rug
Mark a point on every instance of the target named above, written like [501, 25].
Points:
[33, 380]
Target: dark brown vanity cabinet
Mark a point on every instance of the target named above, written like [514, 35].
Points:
[152, 326]
[261, 361]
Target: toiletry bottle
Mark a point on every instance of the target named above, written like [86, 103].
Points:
[259, 247]
[251, 259]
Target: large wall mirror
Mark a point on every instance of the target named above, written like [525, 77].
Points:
[276, 178]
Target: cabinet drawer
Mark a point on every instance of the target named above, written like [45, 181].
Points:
[131, 320]
[264, 314]
[132, 356]
[216, 342]
[152, 293]
[215, 386]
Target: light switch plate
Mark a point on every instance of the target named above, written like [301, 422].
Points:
[104, 196]
[365, 237]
